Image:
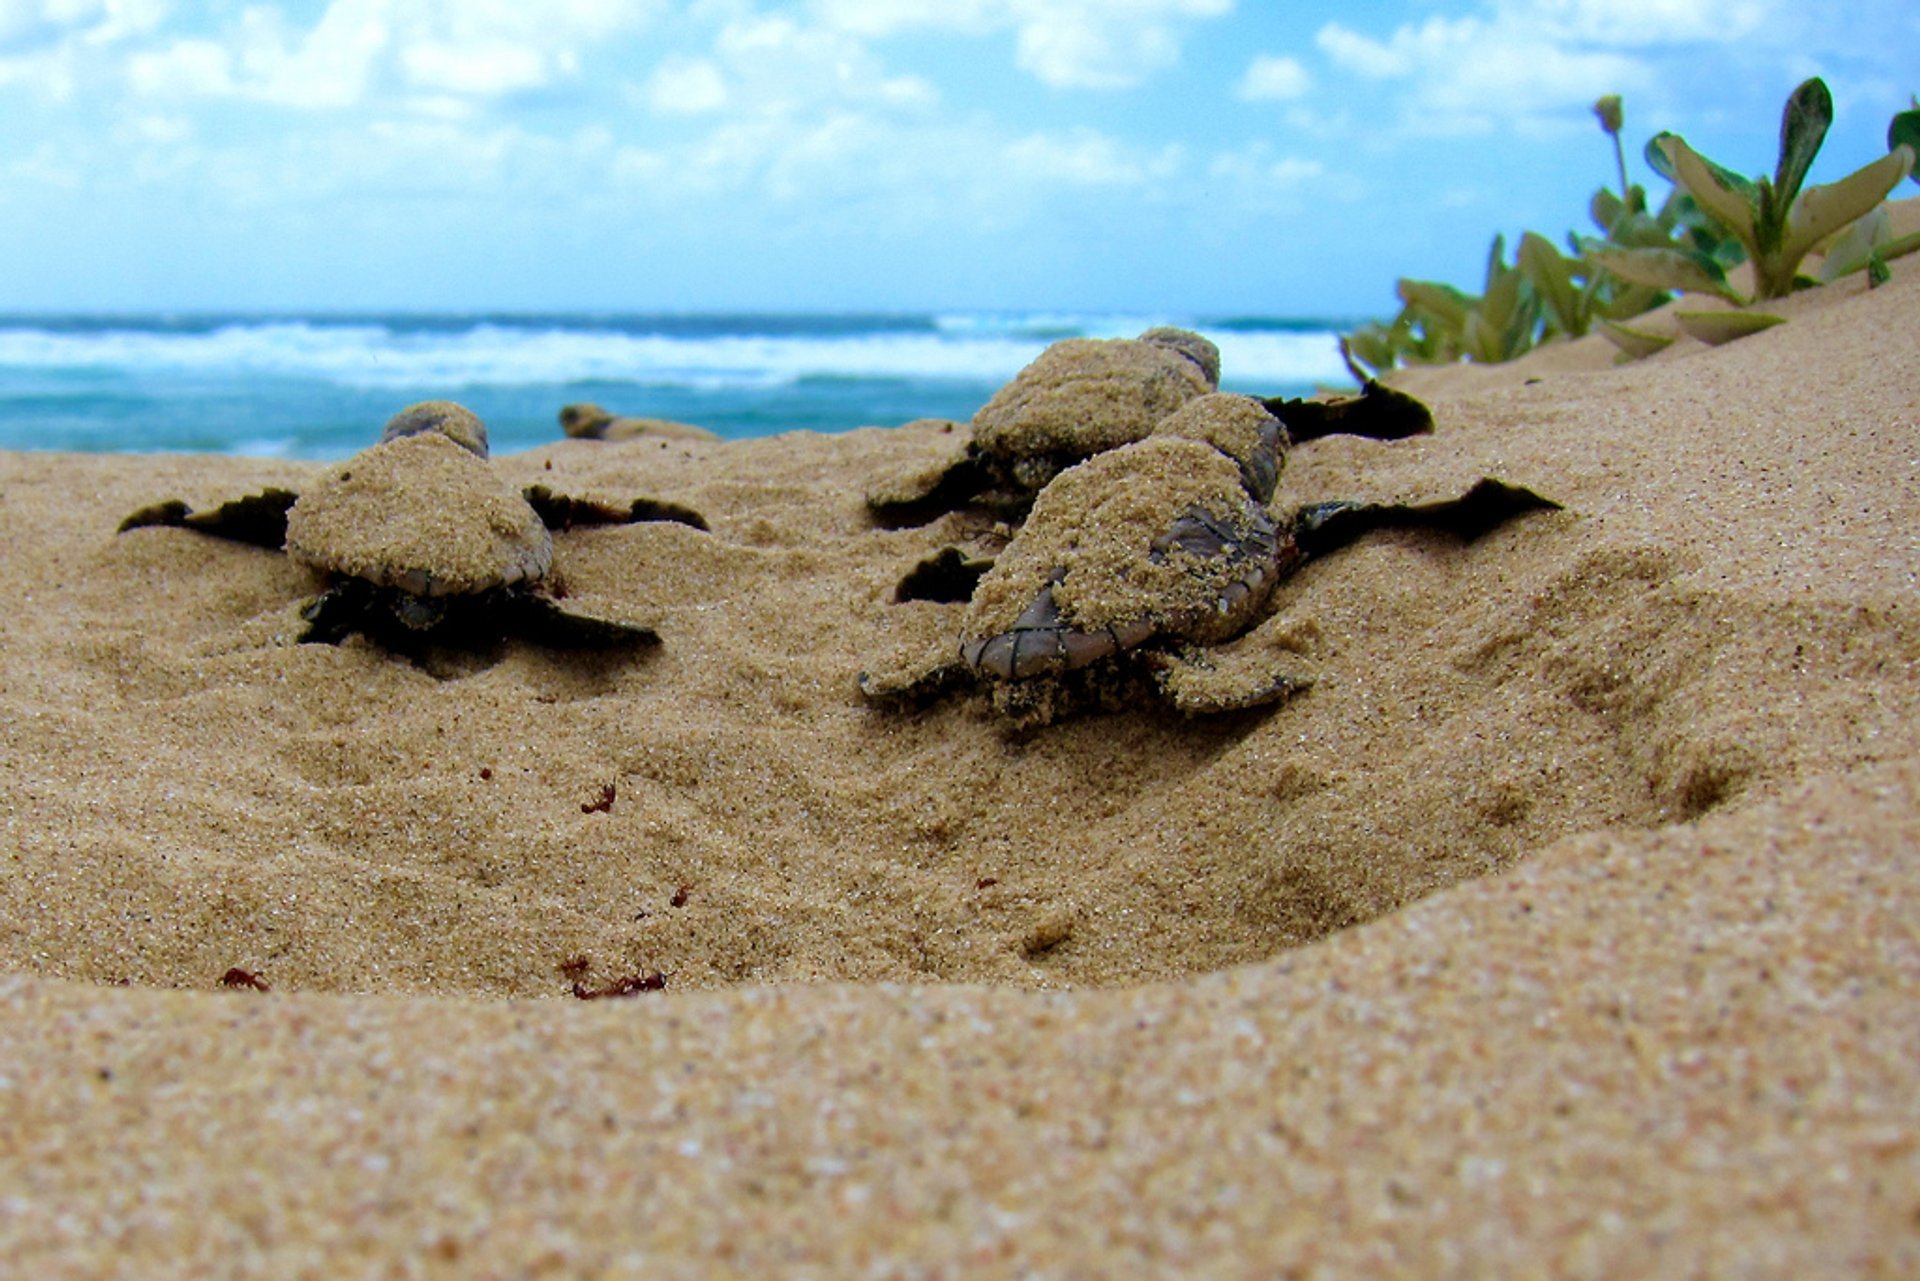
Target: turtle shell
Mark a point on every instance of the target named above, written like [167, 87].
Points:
[422, 514]
[1155, 539]
[1084, 395]
[1239, 427]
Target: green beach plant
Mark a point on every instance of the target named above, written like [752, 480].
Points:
[1711, 221]
[1777, 220]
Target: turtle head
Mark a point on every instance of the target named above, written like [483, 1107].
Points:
[1191, 345]
[1239, 427]
[584, 420]
[456, 422]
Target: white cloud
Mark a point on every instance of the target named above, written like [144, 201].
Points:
[184, 68]
[1068, 44]
[775, 66]
[53, 46]
[1526, 64]
[1534, 65]
[1273, 79]
[480, 69]
[29, 24]
[1407, 50]
[1085, 158]
[444, 50]
[683, 86]
[1639, 23]
[1256, 164]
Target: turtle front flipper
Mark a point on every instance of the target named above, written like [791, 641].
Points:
[1379, 412]
[258, 519]
[924, 496]
[904, 687]
[1204, 682]
[336, 613]
[1490, 503]
[561, 511]
[545, 621]
[949, 577]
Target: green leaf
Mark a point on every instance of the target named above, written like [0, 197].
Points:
[1904, 131]
[1732, 200]
[1680, 269]
[1878, 273]
[1373, 345]
[1821, 211]
[1627, 301]
[1803, 127]
[1716, 327]
[1849, 253]
[1605, 209]
[1552, 279]
[1641, 231]
[1496, 262]
[1636, 343]
[1443, 304]
[1656, 156]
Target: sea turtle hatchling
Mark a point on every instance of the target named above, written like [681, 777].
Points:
[1137, 562]
[1082, 396]
[417, 541]
[1078, 397]
[587, 421]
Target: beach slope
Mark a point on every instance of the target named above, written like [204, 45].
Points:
[1568, 924]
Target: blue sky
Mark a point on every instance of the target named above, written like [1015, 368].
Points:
[1209, 156]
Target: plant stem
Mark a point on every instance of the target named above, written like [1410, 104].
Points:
[1620, 158]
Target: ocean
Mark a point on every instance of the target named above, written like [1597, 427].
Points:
[321, 386]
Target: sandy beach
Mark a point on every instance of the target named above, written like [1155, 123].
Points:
[1569, 924]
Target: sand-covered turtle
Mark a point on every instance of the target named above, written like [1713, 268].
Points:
[587, 421]
[1078, 397]
[1082, 396]
[1133, 564]
[418, 541]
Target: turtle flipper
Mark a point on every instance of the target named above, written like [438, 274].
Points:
[1379, 412]
[258, 519]
[336, 613]
[1327, 527]
[545, 621]
[923, 497]
[948, 576]
[560, 511]
[1200, 682]
[902, 688]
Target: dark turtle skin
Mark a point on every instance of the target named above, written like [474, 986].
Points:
[416, 542]
[1135, 565]
[1082, 396]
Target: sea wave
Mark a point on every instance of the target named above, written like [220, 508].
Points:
[374, 355]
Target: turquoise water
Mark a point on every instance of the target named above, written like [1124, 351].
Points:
[320, 386]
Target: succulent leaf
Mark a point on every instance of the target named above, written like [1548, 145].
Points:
[1655, 154]
[1730, 199]
[1606, 209]
[1635, 343]
[1552, 279]
[1904, 131]
[1442, 303]
[1716, 327]
[1849, 252]
[1680, 269]
[1821, 211]
[1803, 127]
